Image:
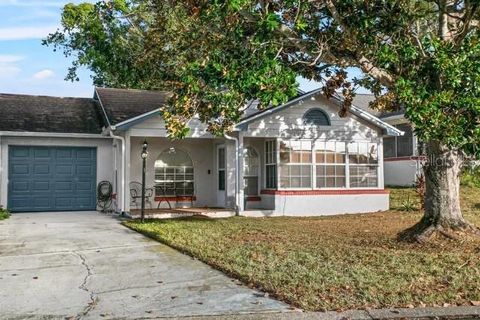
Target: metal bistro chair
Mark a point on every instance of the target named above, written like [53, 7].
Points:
[136, 194]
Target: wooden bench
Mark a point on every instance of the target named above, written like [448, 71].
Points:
[177, 199]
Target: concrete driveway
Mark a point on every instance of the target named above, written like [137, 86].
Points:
[87, 265]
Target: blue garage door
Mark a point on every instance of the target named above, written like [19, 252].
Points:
[51, 178]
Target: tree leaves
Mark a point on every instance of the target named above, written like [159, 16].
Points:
[217, 55]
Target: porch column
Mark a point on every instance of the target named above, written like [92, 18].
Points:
[381, 171]
[241, 187]
[127, 160]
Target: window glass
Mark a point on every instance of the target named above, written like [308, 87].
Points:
[221, 180]
[316, 117]
[330, 157]
[401, 146]
[405, 142]
[389, 149]
[296, 164]
[174, 173]
[221, 168]
[271, 164]
[363, 166]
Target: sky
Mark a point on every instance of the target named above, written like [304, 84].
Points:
[28, 67]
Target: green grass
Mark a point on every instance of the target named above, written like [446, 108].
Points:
[4, 214]
[334, 263]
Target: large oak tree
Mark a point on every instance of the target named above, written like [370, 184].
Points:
[422, 55]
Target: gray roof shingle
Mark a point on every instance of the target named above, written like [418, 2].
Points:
[30, 113]
[362, 100]
[124, 104]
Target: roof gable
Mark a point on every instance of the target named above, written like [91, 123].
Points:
[121, 105]
[359, 112]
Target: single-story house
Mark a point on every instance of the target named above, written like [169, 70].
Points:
[297, 159]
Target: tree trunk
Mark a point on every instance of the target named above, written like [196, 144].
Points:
[443, 214]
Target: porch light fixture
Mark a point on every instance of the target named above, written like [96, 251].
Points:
[144, 165]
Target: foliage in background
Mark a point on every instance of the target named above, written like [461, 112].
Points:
[471, 177]
[217, 55]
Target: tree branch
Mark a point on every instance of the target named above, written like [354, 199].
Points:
[366, 65]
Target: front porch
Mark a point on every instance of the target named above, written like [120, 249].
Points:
[194, 176]
[166, 213]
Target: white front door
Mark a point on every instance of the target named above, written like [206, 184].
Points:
[221, 176]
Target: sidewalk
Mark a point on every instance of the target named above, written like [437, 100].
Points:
[374, 314]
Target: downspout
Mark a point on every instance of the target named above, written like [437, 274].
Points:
[237, 174]
[122, 183]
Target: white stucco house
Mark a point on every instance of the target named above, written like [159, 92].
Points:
[297, 159]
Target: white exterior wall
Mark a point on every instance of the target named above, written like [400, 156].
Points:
[321, 205]
[105, 158]
[155, 126]
[200, 151]
[402, 172]
[231, 173]
[288, 124]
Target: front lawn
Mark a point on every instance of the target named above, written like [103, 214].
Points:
[332, 263]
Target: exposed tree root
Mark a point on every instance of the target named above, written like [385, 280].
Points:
[424, 232]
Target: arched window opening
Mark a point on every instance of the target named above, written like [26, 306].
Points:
[174, 174]
[316, 117]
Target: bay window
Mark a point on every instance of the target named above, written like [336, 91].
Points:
[306, 164]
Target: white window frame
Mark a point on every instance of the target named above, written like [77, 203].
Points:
[315, 164]
[347, 166]
[365, 165]
[162, 182]
[274, 163]
[311, 164]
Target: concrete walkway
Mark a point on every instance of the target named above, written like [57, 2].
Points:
[86, 265]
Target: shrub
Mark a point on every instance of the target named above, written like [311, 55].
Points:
[4, 214]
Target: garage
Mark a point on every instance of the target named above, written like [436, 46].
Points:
[46, 178]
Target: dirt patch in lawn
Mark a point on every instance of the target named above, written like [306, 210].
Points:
[334, 263]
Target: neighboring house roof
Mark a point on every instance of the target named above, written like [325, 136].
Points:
[362, 101]
[359, 112]
[121, 105]
[27, 113]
